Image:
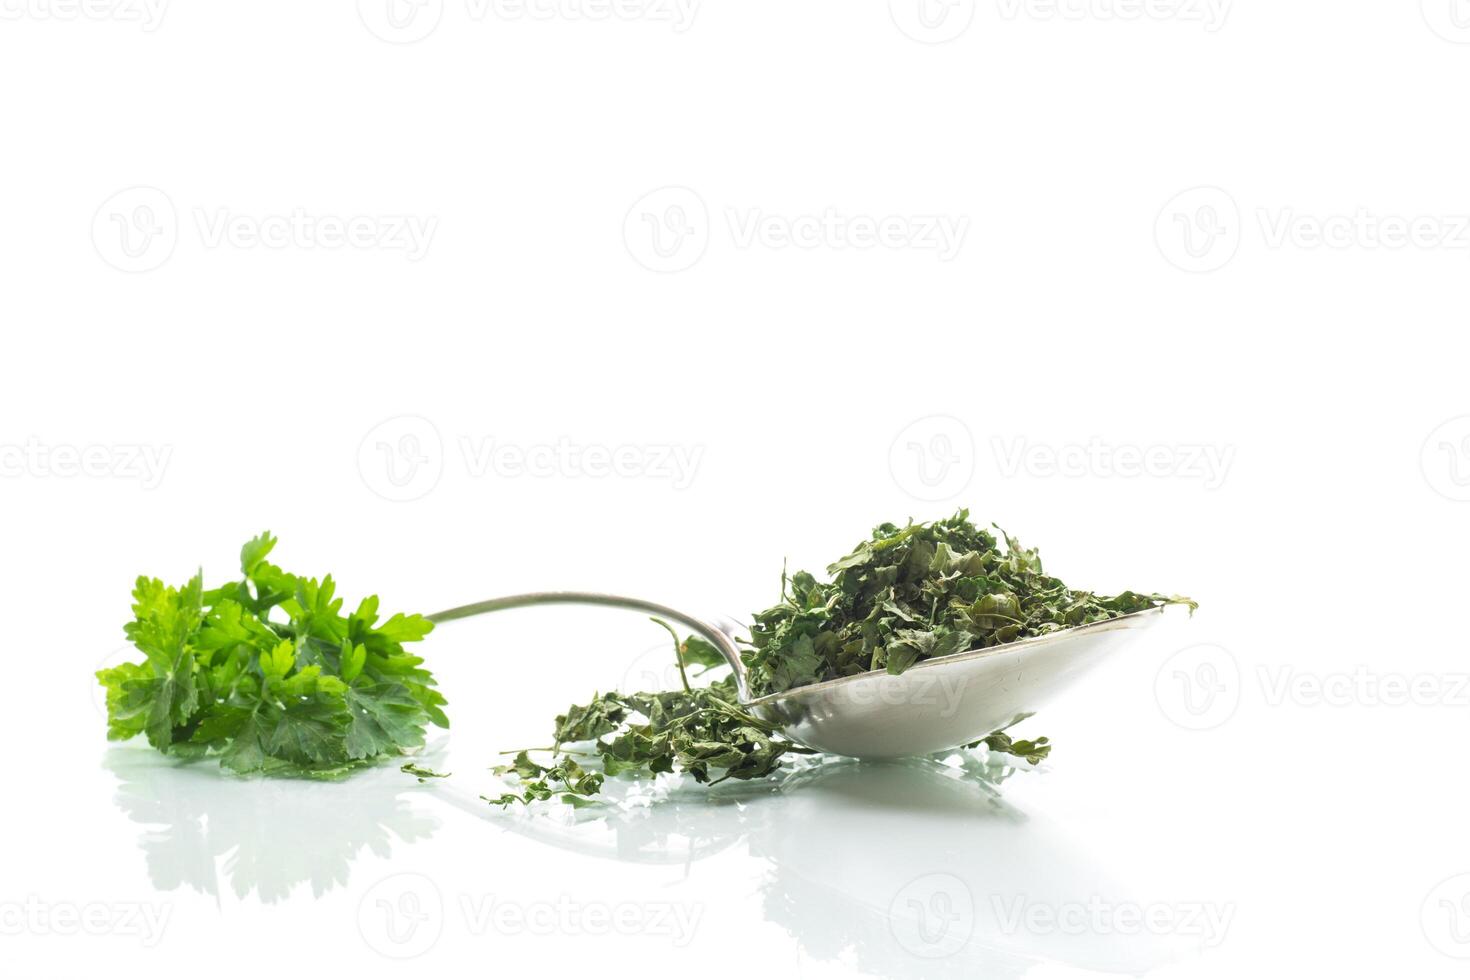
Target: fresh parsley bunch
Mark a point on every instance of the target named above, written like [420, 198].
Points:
[913, 593]
[268, 674]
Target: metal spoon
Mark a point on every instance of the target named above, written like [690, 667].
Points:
[933, 706]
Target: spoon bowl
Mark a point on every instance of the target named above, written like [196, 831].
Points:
[945, 702]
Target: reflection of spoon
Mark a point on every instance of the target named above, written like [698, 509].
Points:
[908, 869]
[272, 834]
[936, 876]
[935, 705]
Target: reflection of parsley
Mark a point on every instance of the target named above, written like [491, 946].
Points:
[318, 694]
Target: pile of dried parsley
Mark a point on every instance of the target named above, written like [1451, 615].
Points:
[904, 595]
[908, 594]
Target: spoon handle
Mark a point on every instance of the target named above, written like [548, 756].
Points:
[714, 634]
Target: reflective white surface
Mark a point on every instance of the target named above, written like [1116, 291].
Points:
[1143, 849]
[896, 869]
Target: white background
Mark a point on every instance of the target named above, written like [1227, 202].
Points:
[1182, 232]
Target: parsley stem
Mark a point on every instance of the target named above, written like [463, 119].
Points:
[678, 653]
